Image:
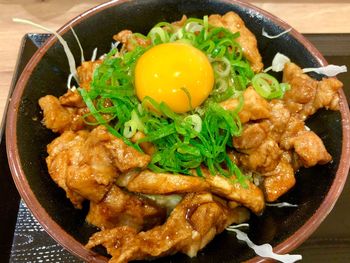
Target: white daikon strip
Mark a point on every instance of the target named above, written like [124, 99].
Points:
[265, 34]
[79, 44]
[69, 80]
[94, 54]
[278, 62]
[115, 45]
[283, 204]
[329, 70]
[70, 57]
[264, 250]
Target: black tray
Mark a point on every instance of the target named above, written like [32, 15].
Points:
[22, 239]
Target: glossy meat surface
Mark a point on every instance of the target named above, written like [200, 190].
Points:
[85, 72]
[148, 182]
[129, 41]
[246, 39]
[192, 224]
[278, 181]
[121, 208]
[307, 95]
[254, 108]
[87, 163]
[61, 156]
[60, 118]
[265, 142]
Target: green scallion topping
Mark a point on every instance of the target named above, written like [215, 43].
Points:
[183, 142]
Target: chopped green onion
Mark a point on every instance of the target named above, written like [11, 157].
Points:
[222, 67]
[182, 141]
[195, 121]
[268, 87]
[133, 125]
[158, 35]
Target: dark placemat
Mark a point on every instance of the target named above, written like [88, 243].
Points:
[23, 240]
[32, 244]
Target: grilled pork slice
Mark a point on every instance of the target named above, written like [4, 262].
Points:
[148, 182]
[192, 224]
[307, 95]
[59, 117]
[255, 107]
[85, 164]
[121, 208]
[279, 181]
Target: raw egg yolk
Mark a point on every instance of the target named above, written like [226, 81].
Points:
[174, 73]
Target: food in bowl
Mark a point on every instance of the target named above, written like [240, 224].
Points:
[167, 167]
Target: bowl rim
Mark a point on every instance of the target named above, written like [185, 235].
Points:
[74, 246]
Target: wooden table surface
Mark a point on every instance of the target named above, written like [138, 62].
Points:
[308, 16]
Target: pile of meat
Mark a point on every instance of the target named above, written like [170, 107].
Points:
[144, 215]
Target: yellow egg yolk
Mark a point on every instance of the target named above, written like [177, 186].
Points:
[167, 71]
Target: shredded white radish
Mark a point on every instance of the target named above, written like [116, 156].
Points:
[278, 62]
[94, 54]
[115, 45]
[264, 250]
[70, 57]
[69, 80]
[329, 70]
[283, 204]
[79, 44]
[265, 34]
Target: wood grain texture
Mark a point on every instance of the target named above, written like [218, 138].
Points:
[306, 16]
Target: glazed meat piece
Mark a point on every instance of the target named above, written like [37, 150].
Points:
[246, 39]
[129, 40]
[327, 95]
[120, 208]
[310, 149]
[279, 181]
[85, 73]
[87, 170]
[123, 157]
[60, 158]
[307, 95]
[253, 135]
[251, 197]
[294, 127]
[91, 166]
[72, 99]
[180, 23]
[191, 225]
[147, 147]
[254, 108]
[60, 118]
[148, 182]
[263, 158]
[103, 156]
[307, 145]
[273, 124]
[278, 121]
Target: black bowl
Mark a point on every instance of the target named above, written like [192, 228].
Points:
[316, 191]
